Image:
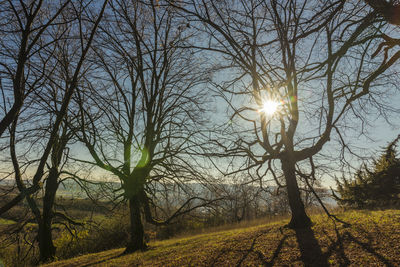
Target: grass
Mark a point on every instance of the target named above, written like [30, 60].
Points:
[372, 239]
[6, 221]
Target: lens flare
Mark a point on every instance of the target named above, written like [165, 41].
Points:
[270, 107]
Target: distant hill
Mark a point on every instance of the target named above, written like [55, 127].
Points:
[71, 189]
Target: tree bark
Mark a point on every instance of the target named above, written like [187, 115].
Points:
[46, 247]
[299, 216]
[47, 250]
[137, 241]
[10, 116]
[388, 10]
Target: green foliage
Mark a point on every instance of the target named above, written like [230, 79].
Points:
[377, 187]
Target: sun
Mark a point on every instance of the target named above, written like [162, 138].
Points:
[270, 107]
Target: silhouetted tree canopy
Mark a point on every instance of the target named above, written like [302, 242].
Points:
[379, 186]
[388, 10]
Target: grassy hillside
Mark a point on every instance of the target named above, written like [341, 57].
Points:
[372, 239]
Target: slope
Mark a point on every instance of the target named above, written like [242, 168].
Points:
[372, 239]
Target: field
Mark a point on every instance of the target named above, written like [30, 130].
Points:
[373, 239]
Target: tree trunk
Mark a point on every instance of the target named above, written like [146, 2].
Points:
[299, 216]
[46, 246]
[10, 116]
[137, 241]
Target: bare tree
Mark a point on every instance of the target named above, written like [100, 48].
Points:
[242, 201]
[305, 74]
[23, 29]
[140, 110]
[40, 129]
[389, 10]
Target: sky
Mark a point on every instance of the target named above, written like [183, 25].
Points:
[380, 132]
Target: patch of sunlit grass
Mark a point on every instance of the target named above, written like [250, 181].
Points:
[373, 238]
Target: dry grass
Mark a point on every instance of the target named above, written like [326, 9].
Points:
[232, 226]
[372, 239]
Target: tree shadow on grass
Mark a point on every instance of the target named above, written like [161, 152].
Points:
[104, 260]
[368, 248]
[260, 255]
[276, 252]
[251, 250]
[331, 251]
[310, 249]
[337, 247]
[311, 253]
[246, 254]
